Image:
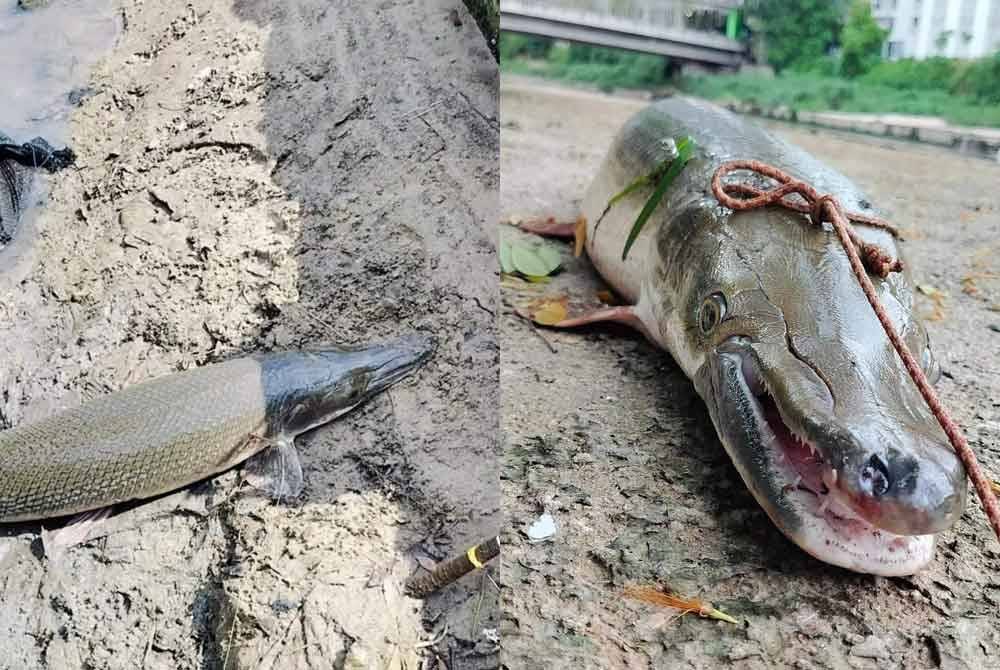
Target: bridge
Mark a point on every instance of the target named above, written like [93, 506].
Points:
[694, 32]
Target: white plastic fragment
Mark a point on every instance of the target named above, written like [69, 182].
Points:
[544, 528]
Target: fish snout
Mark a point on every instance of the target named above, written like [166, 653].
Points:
[412, 349]
[918, 491]
[395, 359]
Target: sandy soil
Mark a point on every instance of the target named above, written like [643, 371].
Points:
[607, 434]
[256, 175]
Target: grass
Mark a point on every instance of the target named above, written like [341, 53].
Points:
[799, 91]
[606, 77]
[816, 93]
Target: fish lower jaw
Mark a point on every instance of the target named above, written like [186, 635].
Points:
[852, 542]
[829, 528]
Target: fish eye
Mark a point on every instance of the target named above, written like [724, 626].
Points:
[712, 312]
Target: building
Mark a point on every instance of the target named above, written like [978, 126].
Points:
[953, 28]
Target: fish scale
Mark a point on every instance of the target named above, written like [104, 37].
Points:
[145, 440]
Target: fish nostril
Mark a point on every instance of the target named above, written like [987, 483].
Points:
[875, 476]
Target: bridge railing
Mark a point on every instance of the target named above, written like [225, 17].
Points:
[667, 19]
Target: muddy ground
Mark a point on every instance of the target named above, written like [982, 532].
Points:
[257, 175]
[606, 433]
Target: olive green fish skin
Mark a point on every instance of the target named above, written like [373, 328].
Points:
[175, 430]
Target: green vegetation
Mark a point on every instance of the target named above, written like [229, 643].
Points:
[861, 41]
[605, 68]
[964, 92]
[487, 16]
[664, 176]
[797, 34]
[803, 91]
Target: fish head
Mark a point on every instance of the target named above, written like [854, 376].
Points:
[305, 389]
[808, 396]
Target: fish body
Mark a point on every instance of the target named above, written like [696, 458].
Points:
[172, 431]
[761, 311]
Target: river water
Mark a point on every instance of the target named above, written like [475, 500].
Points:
[46, 55]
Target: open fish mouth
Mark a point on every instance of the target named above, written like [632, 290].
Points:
[801, 482]
[832, 528]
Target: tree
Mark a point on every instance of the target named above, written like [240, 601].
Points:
[861, 40]
[797, 33]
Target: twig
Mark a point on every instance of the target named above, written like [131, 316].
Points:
[433, 641]
[479, 606]
[451, 570]
[485, 118]
[280, 640]
[538, 332]
[149, 645]
[418, 111]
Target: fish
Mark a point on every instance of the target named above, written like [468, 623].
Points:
[760, 310]
[172, 431]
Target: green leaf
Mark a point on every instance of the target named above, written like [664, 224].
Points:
[535, 279]
[636, 185]
[550, 256]
[534, 260]
[506, 262]
[685, 150]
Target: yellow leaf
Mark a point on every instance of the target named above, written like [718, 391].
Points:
[580, 236]
[653, 596]
[607, 297]
[938, 297]
[549, 312]
[930, 291]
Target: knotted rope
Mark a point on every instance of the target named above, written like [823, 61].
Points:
[864, 258]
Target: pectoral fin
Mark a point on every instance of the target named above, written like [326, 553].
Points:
[276, 471]
[73, 532]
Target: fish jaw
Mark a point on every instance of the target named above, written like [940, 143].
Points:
[792, 473]
[395, 360]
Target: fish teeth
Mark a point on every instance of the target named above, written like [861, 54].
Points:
[823, 505]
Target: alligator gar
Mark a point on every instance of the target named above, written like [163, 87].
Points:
[164, 434]
[761, 311]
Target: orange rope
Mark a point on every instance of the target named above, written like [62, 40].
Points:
[863, 256]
